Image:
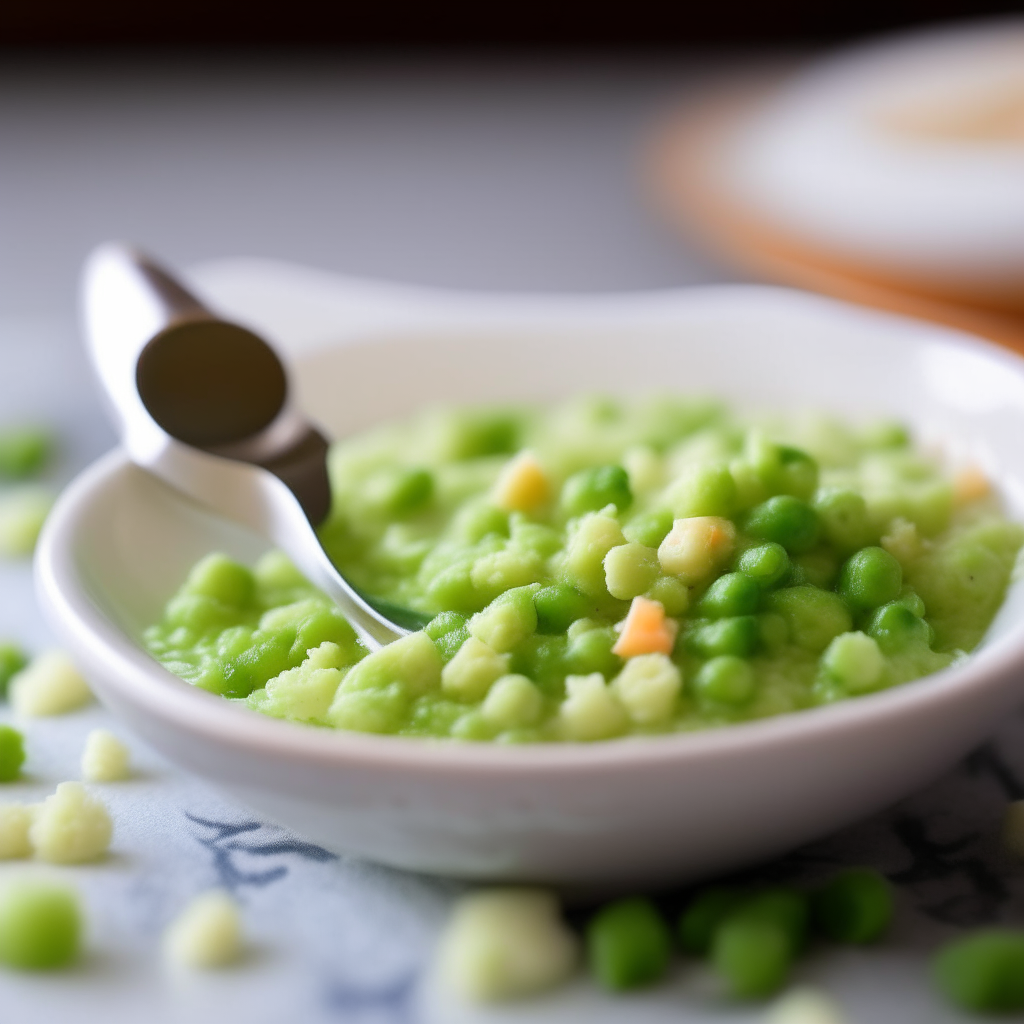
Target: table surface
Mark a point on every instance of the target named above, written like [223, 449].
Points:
[481, 174]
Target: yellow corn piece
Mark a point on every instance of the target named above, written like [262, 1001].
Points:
[522, 486]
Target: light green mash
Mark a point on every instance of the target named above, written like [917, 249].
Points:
[603, 568]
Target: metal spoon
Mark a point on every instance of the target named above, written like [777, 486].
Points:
[203, 404]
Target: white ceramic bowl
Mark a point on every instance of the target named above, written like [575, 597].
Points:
[652, 810]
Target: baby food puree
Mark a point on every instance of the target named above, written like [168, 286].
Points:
[601, 568]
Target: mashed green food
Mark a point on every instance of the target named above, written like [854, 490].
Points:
[602, 568]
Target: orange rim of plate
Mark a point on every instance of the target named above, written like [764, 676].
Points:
[681, 171]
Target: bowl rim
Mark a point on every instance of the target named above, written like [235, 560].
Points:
[142, 681]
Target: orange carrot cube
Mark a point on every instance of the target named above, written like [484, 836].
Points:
[645, 630]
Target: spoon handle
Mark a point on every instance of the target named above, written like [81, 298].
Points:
[269, 475]
[253, 496]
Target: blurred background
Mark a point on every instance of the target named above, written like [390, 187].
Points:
[442, 143]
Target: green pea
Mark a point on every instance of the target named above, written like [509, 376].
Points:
[785, 520]
[780, 468]
[844, 519]
[223, 580]
[797, 473]
[895, 627]
[700, 920]
[592, 652]
[797, 576]
[983, 972]
[752, 956]
[885, 434]
[854, 907]
[536, 537]
[432, 715]
[648, 528]
[449, 644]
[785, 908]
[441, 625]
[267, 656]
[813, 617]
[410, 490]
[40, 925]
[476, 519]
[487, 433]
[766, 564]
[671, 593]
[703, 490]
[12, 753]
[628, 945]
[199, 614]
[558, 607]
[452, 587]
[794, 472]
[738, 635]
[542, 659]
[725, 680]
[472, 727]
[593, 489]
[275, 572]
[12, 660]
[818, 568]
[733, 593]
[870, 578]
[325, 624]
[23, 451]
[913, 602]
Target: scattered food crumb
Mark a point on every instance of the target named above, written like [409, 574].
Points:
[50, 685]
[628, 945]
[853, 907]
[105, 758]
[207, 933]
[12, 753]
[15, 821]
[12, 661]
[40, 924]
[1013, 828]
[983, 971]
[506, 943]
[970, 484]
[22, 512]
[805, 1006]
[24, 450]
[71, 827]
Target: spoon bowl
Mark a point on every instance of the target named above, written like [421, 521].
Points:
[637, 810]
[210, 383]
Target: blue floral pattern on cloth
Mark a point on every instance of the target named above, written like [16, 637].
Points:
[228, 841]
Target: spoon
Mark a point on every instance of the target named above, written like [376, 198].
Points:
[203, 404]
